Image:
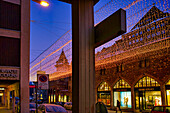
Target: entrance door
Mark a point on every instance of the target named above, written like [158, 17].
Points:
[142, 102]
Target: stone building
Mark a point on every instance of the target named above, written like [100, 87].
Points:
[134, 70]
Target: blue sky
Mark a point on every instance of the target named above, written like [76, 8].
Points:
[50, 23]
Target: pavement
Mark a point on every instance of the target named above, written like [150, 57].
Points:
[5, 110]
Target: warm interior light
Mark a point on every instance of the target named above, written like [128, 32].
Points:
[44, 3]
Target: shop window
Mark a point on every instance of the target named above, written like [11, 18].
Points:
[121, 84]
[147, 82]
[104, 87]
[122, 93]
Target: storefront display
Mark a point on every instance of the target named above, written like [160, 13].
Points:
[103, 93]
[124, 98]
[168, 92]
[147, 93]
[122, 93]
[104, 97]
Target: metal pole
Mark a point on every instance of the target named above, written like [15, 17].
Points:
[36, 86]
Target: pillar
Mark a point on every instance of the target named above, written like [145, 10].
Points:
[25, 49]
[83, 56]
[163, 94]
[111, 99]
[8, 99]
[133, 98]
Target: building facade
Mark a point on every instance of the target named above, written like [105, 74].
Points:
[134, 70]
[14, 54]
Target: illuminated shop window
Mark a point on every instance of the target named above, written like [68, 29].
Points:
[122, 93]
[121, 84]
[168, 93]
[104, 87]
[147, 82]
[65, 98]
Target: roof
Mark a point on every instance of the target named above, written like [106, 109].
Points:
[153, 14]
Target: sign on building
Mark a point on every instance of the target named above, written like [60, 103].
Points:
[43, 81]
[9, 73]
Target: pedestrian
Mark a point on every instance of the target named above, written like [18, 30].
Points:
[118, 106]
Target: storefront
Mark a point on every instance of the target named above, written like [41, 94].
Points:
[103, 93]
[147, 93]
[122, 93]
[168, 92]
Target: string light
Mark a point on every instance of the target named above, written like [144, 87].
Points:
[113, 51]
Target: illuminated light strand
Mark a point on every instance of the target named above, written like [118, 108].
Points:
[137, 17]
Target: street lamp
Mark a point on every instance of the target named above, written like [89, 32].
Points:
[41, 2]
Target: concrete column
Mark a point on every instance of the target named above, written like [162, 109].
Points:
[25, 53]
[163, 94]
[133, 98]
[111, 99]
[8, 100]
[83, 56]
[13, 101]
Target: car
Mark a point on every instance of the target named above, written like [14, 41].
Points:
[60, 103]
[161, 109]
[51, 108]
[68, 105]
[32, 107]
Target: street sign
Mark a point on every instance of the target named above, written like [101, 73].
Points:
[110, 28]
[43, 81]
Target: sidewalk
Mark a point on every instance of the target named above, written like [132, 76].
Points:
[5, 110]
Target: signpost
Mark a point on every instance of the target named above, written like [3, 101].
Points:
[43, 81]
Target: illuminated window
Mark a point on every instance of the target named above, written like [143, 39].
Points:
[168, 83]
[121, 84]
[104, 87]
[147, 82]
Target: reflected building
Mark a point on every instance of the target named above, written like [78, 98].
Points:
[136, 67]
[134, 70]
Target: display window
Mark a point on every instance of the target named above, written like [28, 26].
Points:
[124, 98]
[147, 93]
[122, 93]
[103, 93]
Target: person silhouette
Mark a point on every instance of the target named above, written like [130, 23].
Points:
[118, 106]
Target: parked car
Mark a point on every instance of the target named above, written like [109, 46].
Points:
[68, 105]
[51, 108]
[161, 109]
[32, 107]
[60, 103]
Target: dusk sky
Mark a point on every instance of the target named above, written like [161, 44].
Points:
[49, 23]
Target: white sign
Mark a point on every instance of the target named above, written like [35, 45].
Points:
[9, 73]
[43, 81]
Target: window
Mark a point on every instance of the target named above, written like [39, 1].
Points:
[120, 68]
[104, 87]
[147, 82]
[121, 84]
[10, 16]
[137, 40]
